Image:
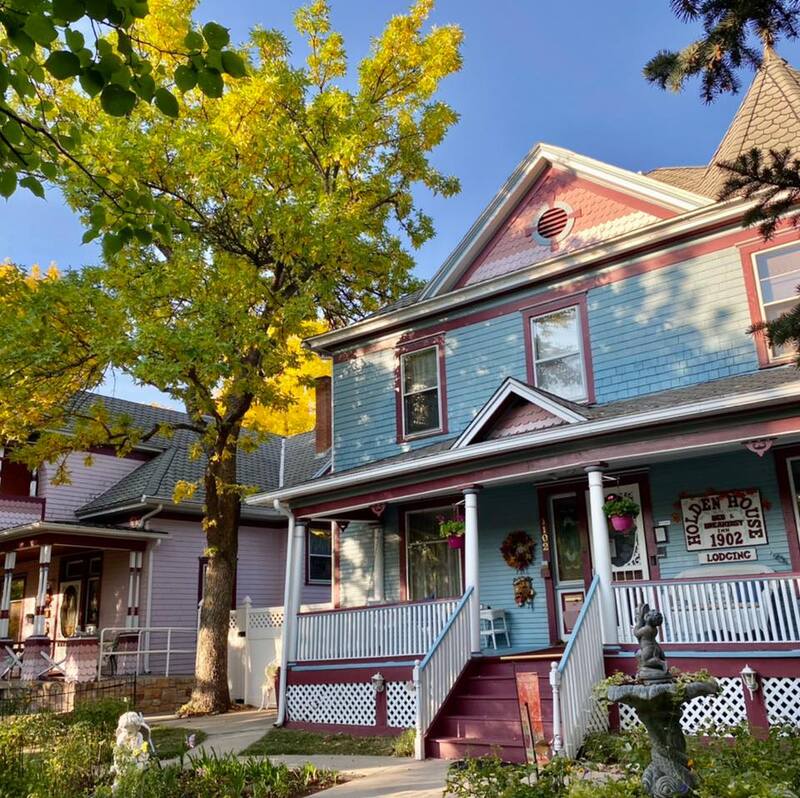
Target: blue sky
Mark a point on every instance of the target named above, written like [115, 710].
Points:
[566, 73]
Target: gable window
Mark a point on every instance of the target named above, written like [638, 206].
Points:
[421, 392]
[777, 274]
[320, 556]
[558, 363]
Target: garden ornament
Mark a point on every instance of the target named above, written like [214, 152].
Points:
[131, 749]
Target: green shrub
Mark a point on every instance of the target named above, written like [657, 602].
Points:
[102, 714]
[404, 744]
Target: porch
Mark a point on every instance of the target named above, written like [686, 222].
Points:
[735, 602]
[71, 605]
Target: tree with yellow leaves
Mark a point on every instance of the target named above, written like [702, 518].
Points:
[229, 232]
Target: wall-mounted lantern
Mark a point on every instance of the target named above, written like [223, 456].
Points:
[749, 679]
[378, 682]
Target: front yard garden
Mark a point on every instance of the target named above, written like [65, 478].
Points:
[733, 764]
[46, 755]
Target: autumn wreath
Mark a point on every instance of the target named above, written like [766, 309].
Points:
[517, 550]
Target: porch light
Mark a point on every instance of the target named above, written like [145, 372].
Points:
[378, 682]
[749, 679]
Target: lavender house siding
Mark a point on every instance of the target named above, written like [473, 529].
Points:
[86, 482]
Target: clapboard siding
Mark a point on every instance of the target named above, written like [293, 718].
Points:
[86, 482]
[666, 328]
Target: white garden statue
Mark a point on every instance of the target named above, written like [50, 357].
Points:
[132, 749]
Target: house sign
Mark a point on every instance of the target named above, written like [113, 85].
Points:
[724, 521]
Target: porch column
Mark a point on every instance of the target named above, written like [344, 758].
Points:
[45, 553]
[5, 596]
[472, 565]
[298, 566]
[601, 552]
[134, 589]
[378, 578]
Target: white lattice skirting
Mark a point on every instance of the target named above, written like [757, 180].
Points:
[782, 699]
[340, 704]
[726, 709]
[401, 705]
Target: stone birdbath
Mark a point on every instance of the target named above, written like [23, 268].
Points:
[658, 700]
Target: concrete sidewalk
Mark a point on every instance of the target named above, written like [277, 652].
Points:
[227, 734]
[379, 776]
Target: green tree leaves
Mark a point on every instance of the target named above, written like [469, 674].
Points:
[117, 101]
[62, 65]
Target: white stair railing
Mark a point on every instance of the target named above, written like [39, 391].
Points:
[391, 630]
[576, 711]
[744, 609]
[436, 674]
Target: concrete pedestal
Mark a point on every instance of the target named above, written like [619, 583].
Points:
[32, 661]
[80, 662]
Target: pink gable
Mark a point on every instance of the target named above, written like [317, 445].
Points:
[594, 213]
[519, 418]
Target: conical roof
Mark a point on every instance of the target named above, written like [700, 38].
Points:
[768, 118]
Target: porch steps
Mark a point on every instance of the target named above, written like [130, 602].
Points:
[481, 716]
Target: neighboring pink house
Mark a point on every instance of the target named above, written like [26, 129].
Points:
[112, 551]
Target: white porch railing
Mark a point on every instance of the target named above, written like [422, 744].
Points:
[435, 676]
[381, 631]
[747, 609]
[576, 711]
[152, 649]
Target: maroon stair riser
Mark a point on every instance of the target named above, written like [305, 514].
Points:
[462, 750]
[489, 686]
[477, 728]
[491, 669]
[483, 707]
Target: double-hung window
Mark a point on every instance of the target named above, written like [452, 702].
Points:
[558, 361]
[421, 391]
[777, 273]
[320, 556]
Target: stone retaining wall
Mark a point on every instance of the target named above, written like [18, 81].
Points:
[157, 695]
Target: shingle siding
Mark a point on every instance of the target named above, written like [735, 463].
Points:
[668, 328]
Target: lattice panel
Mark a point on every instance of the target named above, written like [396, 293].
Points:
[726, 709]
[265, 620]
[401, 705]
[598, 716]
[341, 704]
[782, 699]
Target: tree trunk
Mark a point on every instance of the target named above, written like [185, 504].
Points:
[221, 524]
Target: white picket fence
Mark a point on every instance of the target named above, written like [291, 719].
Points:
[751, 609]
[436, 674]
[394, 630]
[576, 711]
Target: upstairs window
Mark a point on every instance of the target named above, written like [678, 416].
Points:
[777, 274]
[320, 556]
[421, 392]
[557, 353]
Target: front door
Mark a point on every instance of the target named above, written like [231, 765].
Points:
[567, 523]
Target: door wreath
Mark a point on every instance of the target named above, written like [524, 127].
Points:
[518, 552]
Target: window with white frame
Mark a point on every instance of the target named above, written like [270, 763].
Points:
[419, 376]
[777, 277]
[320, 556]
[557, 350]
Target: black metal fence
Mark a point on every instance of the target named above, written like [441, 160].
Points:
[60, 697]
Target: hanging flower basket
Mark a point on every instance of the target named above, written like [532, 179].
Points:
[523, 591]
[518, 550]
[455, 541]
[452, 529]
[622, 512]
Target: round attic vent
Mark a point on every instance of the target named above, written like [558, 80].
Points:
[552, 223]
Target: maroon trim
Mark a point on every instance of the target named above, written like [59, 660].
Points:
[746, 252]
[581, 284]
[308, 581]
[4, 615]
[397, 673]
[788, 501]
[132, 455]
[543, 308]
[418, 344]
[608, 451]
[26, 499]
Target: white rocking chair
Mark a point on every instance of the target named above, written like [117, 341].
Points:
[268, 694]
